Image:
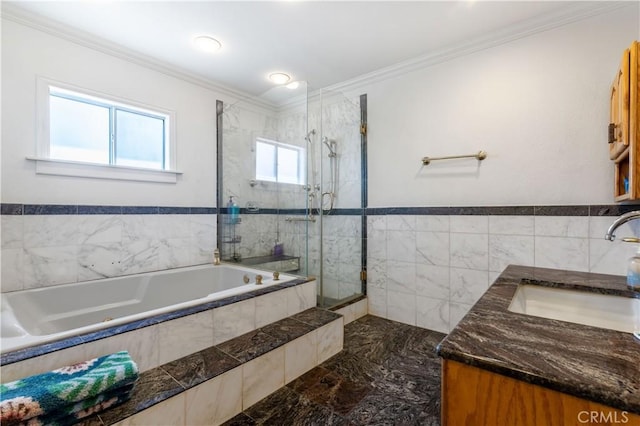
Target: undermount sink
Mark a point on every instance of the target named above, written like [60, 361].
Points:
[580, 307]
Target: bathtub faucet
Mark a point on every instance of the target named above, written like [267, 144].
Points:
[216, 257]
[621, 221]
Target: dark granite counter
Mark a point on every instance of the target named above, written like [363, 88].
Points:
[591, 363]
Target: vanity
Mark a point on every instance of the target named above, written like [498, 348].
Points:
[508, 363]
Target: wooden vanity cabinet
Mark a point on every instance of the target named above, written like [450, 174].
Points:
[475, 397]
[624, 126]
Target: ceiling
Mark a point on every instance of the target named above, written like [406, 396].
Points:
[321, 42]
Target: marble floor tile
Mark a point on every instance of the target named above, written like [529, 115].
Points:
[287, 407]
[387, 374]
[241, 420]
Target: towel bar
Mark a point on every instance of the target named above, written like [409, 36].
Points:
[480, 155]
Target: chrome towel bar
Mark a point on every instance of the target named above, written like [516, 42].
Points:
[480, 155]
[300, 218]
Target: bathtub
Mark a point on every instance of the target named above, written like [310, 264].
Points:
[38, 316]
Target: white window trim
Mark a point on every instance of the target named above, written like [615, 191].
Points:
[50, 166]
[301, 159]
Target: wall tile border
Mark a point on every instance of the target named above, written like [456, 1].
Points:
[12, 209]
[577, 210]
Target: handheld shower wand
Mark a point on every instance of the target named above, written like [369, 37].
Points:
[333, 164]
[331, 144]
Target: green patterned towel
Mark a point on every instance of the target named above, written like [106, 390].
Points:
[61, 419]
[57, 390]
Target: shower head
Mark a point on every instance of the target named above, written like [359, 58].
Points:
[309, 133]
[331, 144]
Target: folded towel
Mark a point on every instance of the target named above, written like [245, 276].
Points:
[78, 410]
[46, 393]
[73, 418]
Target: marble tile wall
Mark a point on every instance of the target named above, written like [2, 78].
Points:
[333, 116]
[428, 270]
[44, 250]
[354, 311]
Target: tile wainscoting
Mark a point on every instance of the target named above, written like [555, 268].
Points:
[57, 244]
[428, 266]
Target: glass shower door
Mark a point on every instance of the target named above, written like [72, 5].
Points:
[262, 170]
[339, 199]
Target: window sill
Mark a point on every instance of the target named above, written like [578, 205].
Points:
[47, 166]
[269, 184]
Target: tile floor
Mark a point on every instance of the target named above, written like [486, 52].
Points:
[387, 374]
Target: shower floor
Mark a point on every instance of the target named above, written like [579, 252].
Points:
[387, 374]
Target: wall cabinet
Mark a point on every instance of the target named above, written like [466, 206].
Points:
[475, 397]
[624, 126]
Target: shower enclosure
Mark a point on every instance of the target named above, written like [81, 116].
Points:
[290, 193]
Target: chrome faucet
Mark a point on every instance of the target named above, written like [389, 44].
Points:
[621, 221]
[216, 257]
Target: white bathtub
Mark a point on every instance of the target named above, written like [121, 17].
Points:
[38, 316]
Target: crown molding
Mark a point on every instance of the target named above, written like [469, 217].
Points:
[85, 39]
[573, 12]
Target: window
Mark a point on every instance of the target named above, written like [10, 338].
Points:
[88, 132]
[279, 162]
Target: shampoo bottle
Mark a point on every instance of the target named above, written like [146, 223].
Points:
[234, 211]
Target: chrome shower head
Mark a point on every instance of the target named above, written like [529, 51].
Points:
[309, 133]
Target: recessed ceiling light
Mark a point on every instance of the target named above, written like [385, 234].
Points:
[207, 43]
[279, 77]
[293, 85]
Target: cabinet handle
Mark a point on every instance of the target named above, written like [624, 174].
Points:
[612, 132]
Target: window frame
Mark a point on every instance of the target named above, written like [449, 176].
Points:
[301, 151]
[45, 87]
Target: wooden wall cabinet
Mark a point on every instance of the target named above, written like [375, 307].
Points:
[475, 397]
[624, 126]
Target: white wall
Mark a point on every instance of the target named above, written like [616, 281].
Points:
[537, 105]
[27, 53]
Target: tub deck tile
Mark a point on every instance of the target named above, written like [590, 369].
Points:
[288, 329]
[152, 387]
[251, 345]
[175, 377]
[200, 366]
[316, 317]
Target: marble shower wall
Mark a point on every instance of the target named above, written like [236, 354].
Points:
[49, 249]
[429, 270]
[242, 124]
[335, 117]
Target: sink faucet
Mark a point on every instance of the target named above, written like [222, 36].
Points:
[621, 221]
[216, 257]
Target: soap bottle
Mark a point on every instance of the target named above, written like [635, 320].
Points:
[234, 211]
[633, 271]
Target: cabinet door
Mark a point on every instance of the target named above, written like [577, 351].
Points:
[619, 110]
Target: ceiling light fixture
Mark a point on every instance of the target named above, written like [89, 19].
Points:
[207, 43]
[279, 77]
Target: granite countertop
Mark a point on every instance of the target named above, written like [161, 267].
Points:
[588, 362]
